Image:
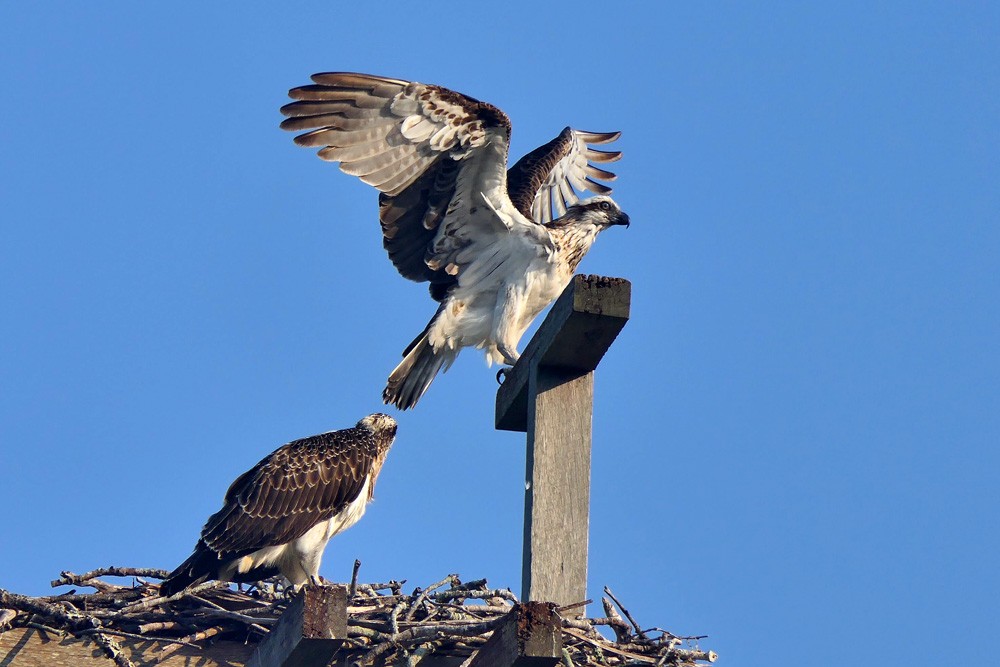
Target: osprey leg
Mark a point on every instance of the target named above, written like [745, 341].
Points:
[507, 319]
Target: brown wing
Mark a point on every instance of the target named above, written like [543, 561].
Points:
[551, 175]
[291, 490]
[407, 139]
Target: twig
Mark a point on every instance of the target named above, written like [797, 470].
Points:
[161, 625]
[427, 632]
[422, 651]
[474, 585]
[477, 610]
[34, 605]
[112, 648]
[635, 625]
[253, 622]
[616, 623]
[159, 599]
[48, 629]
[450, 579]
[67, 578]
[243, 617]
[690, 656]
[448, 595]
[575, 605]
[354, 580]
[609, 647]
[619, 625]
[394, 617]
[667, 633]
[394, 586]
[166, 651]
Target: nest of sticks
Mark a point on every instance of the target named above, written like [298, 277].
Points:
[385, 625]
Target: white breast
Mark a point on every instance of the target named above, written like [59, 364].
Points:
[299, 560]
[351, 514]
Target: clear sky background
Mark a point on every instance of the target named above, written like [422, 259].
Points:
[797, 436]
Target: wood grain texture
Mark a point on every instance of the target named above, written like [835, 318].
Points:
[557, 487]
[550, 395]
[310, 632]
[531, 636]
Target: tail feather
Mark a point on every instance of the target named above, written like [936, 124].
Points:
[199, 566]
[414, 374]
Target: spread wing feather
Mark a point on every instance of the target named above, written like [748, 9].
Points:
[544, 183]
[423, 123]
[429, 151]
[290, 491]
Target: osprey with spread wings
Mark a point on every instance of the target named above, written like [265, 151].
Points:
[496, 245]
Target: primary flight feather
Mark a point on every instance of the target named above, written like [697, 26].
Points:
[496, 245]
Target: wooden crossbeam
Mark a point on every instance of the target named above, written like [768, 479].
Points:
[549, 394]
[581, 326]
[310, 631]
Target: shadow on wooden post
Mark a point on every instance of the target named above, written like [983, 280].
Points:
[310, 631]
[549, 394]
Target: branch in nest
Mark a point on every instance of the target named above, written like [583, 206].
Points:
[71, 619]
[638, 630]
[67, 578]
[685, 655]
[450, 579]
[352, 591]
[449, 595]
[190, 639]
[112, 648]
[159, 599]
[423, 632]
[617, 624]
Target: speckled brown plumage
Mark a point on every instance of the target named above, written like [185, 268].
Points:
[293, 489]
[288, 492]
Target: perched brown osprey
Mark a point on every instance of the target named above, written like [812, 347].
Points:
[485, 237]
[279, 515]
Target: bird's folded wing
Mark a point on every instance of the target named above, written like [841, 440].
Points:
[287, 493]
[546, 181]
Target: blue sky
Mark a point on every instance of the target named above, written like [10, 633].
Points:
[796, 436]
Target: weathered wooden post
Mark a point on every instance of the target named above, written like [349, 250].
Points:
[549, 394]
[530, 636]
[309, 632]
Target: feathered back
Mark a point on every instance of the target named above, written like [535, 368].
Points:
[294, 488]
[288, 492]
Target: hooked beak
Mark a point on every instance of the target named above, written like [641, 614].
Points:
[621, 219]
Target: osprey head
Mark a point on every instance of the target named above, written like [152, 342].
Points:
[601, 211]
[383, 426]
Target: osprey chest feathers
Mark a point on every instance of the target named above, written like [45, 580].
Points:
[573, 242]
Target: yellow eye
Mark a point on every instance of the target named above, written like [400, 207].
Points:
[605, 206]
